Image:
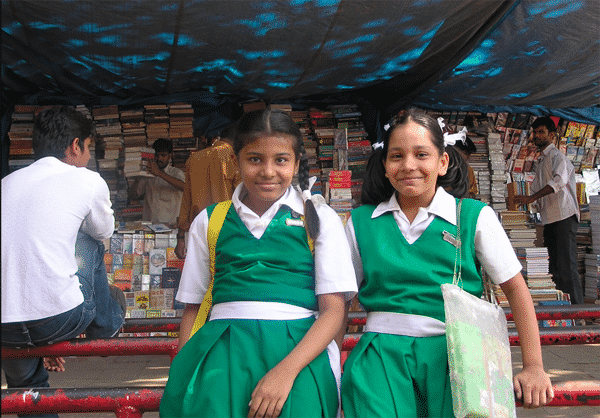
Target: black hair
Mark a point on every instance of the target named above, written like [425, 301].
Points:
[264, 122]
[376, 186]
[468, 147]
[55, 128]
[163, 145]
[544, 121]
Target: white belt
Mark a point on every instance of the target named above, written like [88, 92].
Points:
[404, 324]
[259, 310]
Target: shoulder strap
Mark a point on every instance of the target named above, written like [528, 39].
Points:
[311, 242]
[215, 223]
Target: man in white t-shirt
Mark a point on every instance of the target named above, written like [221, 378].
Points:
[55, 213]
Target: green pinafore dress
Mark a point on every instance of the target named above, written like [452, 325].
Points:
[390, 375]
[215, 373]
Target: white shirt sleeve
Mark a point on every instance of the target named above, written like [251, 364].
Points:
[99, 223]
[354, 253]
[195, 277]
[493, 248]
[333, 263]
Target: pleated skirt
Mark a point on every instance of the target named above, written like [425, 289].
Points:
[214, 374]
[397, 376]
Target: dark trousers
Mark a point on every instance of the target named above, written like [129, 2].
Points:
[99, 316]
[561, 239]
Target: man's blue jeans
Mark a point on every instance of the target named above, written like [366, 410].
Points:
[99, 316]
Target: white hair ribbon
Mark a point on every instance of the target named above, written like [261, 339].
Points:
[377, 145]
[317, 199]
[450, 139]
[441, 123]
[386, 126]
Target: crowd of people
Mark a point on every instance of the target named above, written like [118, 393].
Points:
[285, 267]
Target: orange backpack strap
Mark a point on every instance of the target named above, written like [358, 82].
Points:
[215, 223]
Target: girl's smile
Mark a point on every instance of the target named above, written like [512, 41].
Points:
[267, 166]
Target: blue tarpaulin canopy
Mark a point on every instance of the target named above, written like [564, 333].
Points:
[536, 56]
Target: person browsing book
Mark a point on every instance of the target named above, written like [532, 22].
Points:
[401, 257]
[555, 196]
[55, 213]
[268, 349]
[162, 192]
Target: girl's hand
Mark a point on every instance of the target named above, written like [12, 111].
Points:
[533, 387]
[270, 393]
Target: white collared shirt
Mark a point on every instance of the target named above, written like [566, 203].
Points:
[556, 171]
[333, 262]
[492, 247]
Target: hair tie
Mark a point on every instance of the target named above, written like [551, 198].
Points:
[377, 145]
[451, 138]
[317, 199]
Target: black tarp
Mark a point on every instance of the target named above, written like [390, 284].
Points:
[536, 56]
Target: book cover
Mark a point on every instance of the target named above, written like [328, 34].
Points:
[127, 243]
[153, 313]
[155, 281]
[158, 260]
[142, 299]
[138, 244]
[137, 313]
[161, 241]
[116, 243]
[170, 277]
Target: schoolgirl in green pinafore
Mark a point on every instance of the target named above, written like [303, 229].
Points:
[404, 247]
[266, 294]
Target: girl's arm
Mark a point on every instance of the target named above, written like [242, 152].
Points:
[532, 384]
[187, 322]
[273, 389]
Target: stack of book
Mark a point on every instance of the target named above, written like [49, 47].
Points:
[323, 125]
[133, 127]
[535, 264]
[349, 117]
[110, 152]
[181, 130]
[514, 219]
[497, 170]
[157, 122]
[107, 121]
[137, 160]
[522, 238]
[302, 119]
[284, 107]
[20, 149]
[591, 282]
[340, 193]
[480, 162]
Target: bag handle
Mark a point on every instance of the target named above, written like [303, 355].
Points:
[215, 223]
[457, 277]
